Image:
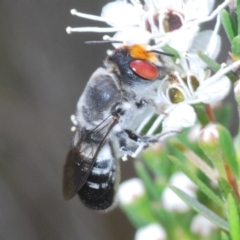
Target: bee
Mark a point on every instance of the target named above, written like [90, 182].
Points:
[116, 96]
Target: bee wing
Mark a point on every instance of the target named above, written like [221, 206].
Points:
[82, 156]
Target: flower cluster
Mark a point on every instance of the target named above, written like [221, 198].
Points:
[175, 24]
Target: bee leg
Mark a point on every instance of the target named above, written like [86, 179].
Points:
[145, 141]
[126, 145]
[158, 137]
[133, 135]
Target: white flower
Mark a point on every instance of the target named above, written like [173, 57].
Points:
[177, 120]
[130, 190]
[173, 22]
[193, 134]
[194, 86]
[237, 91]
[170, 200]
[152, 231]
[202, 226]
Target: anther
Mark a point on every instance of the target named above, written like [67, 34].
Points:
[73, 11]
[69, 30]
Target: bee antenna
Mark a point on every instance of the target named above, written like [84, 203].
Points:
[150, 49]
[163, 53]
[103, 41]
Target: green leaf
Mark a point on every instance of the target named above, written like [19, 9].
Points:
[147, 180]
[202, 186]
[238, 15]
[233, 218]
[235, 47]
[228, 24]
[157, 162]
[140, 212]
[228, 149]
[171, 50]
[224, 236]
[215, 66]
[213, 217]
[223, 114]
[201, 114]
[225, 188]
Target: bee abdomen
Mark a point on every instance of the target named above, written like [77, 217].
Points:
[99, 190]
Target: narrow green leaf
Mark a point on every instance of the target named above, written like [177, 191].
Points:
[228, 149]
[215, 66]
[148, 182]
[238, 15]
[201, 114]
[238, 144]
[226, 188]
[202, 186]
[224, 114]
[233, 218]
[157, 161]
[140, 212]
[224, 236]
[171, 50]
[213, 217]
[228, 24]
[235, 47]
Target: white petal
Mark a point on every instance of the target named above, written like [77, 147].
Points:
[172, 202]
[152, 231]
[181, 39]
[182, 116]
[215, 91]
[121, 14]
[131, 36]
[206, 42]
[202, 226]
[193, 134]
[198, 9]
[130, 190]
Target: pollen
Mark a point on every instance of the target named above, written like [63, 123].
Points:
[139, 51]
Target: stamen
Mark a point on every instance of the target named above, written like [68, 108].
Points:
[144, 122]
[94, 29]
[185, 88]
[221, 72]
[88, 16]
[214, 34]
[139, 149]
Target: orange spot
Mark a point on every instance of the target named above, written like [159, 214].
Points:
[139, 52]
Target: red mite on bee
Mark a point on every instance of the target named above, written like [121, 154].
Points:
[115, 96]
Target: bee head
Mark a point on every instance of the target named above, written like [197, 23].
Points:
[137, 66]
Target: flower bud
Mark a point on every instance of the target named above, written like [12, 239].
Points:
[202, 226]
[129, 191]
[209, 142]
[135, 203]
[170, 200]
[152, 231]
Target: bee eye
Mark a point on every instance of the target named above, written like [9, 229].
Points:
[144, 69]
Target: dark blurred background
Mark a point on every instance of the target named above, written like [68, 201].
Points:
[43, 71]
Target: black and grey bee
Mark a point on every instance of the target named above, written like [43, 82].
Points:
[116, 96]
